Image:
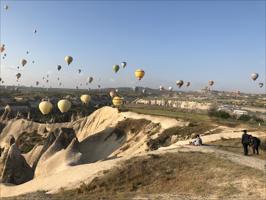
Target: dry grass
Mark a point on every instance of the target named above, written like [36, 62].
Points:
[186, 175]
[235, 145]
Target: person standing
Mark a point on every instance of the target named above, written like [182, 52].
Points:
[245, 142]
[255, 143]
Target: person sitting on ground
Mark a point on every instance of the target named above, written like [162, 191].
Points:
[245, 142]
[254, 143]
[197, 141]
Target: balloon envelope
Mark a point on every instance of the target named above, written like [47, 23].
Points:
[85, 98]
[123, 64]
[139, 73]
[18, 75]
[112, 93]
[179, 83]
[68, 59]
[45, 107]
[59, 67]
[2, 48]
[116, 68]
[90, 79]
[260, 85]
[211, 82]
[64, 105]
[254, 76]
[117, 101]
[23, 62]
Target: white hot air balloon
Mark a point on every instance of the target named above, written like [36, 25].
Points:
[179, 83]
[123, 64]
[254, 76]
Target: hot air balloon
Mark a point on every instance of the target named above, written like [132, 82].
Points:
[161, 88]
[90, 79]
[170, 88]
[99, 86]
[64, 105]
[139, 73]
[188, 84]
[117, 101]
[143, 91]
[58, 78]
[68, 59]
[123, 64]
[27, 52]
[179, 83]
[23, 62]
[59, 67]
[254, 76]
[135, 88]
[18, 75]
[2, 48]
[60, 84]
[116, 68]
[45, 107]
[37, 82]
[260, 85]
[6, 7]
[85, 98]
[47, 81]
[112, 93]
[35, 31]
[33, 62]
[211, 82]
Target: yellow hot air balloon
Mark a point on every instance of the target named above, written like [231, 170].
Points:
[64, 105]
[117, 101]
[68, 59]
[85, 98]
[45, 107]
[139, 73]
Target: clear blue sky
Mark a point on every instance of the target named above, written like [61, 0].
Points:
[190, 40]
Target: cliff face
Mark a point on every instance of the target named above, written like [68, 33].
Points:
[50, 148]
[188, 105]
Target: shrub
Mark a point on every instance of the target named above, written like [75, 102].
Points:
[244, 118]
[263, 144]
[219, 114]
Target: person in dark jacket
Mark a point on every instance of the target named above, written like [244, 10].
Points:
[245, 142]
[255, 143]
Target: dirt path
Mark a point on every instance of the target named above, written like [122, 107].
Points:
[227, 133]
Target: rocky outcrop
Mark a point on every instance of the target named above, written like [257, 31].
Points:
[63, 152]
[13, 167]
